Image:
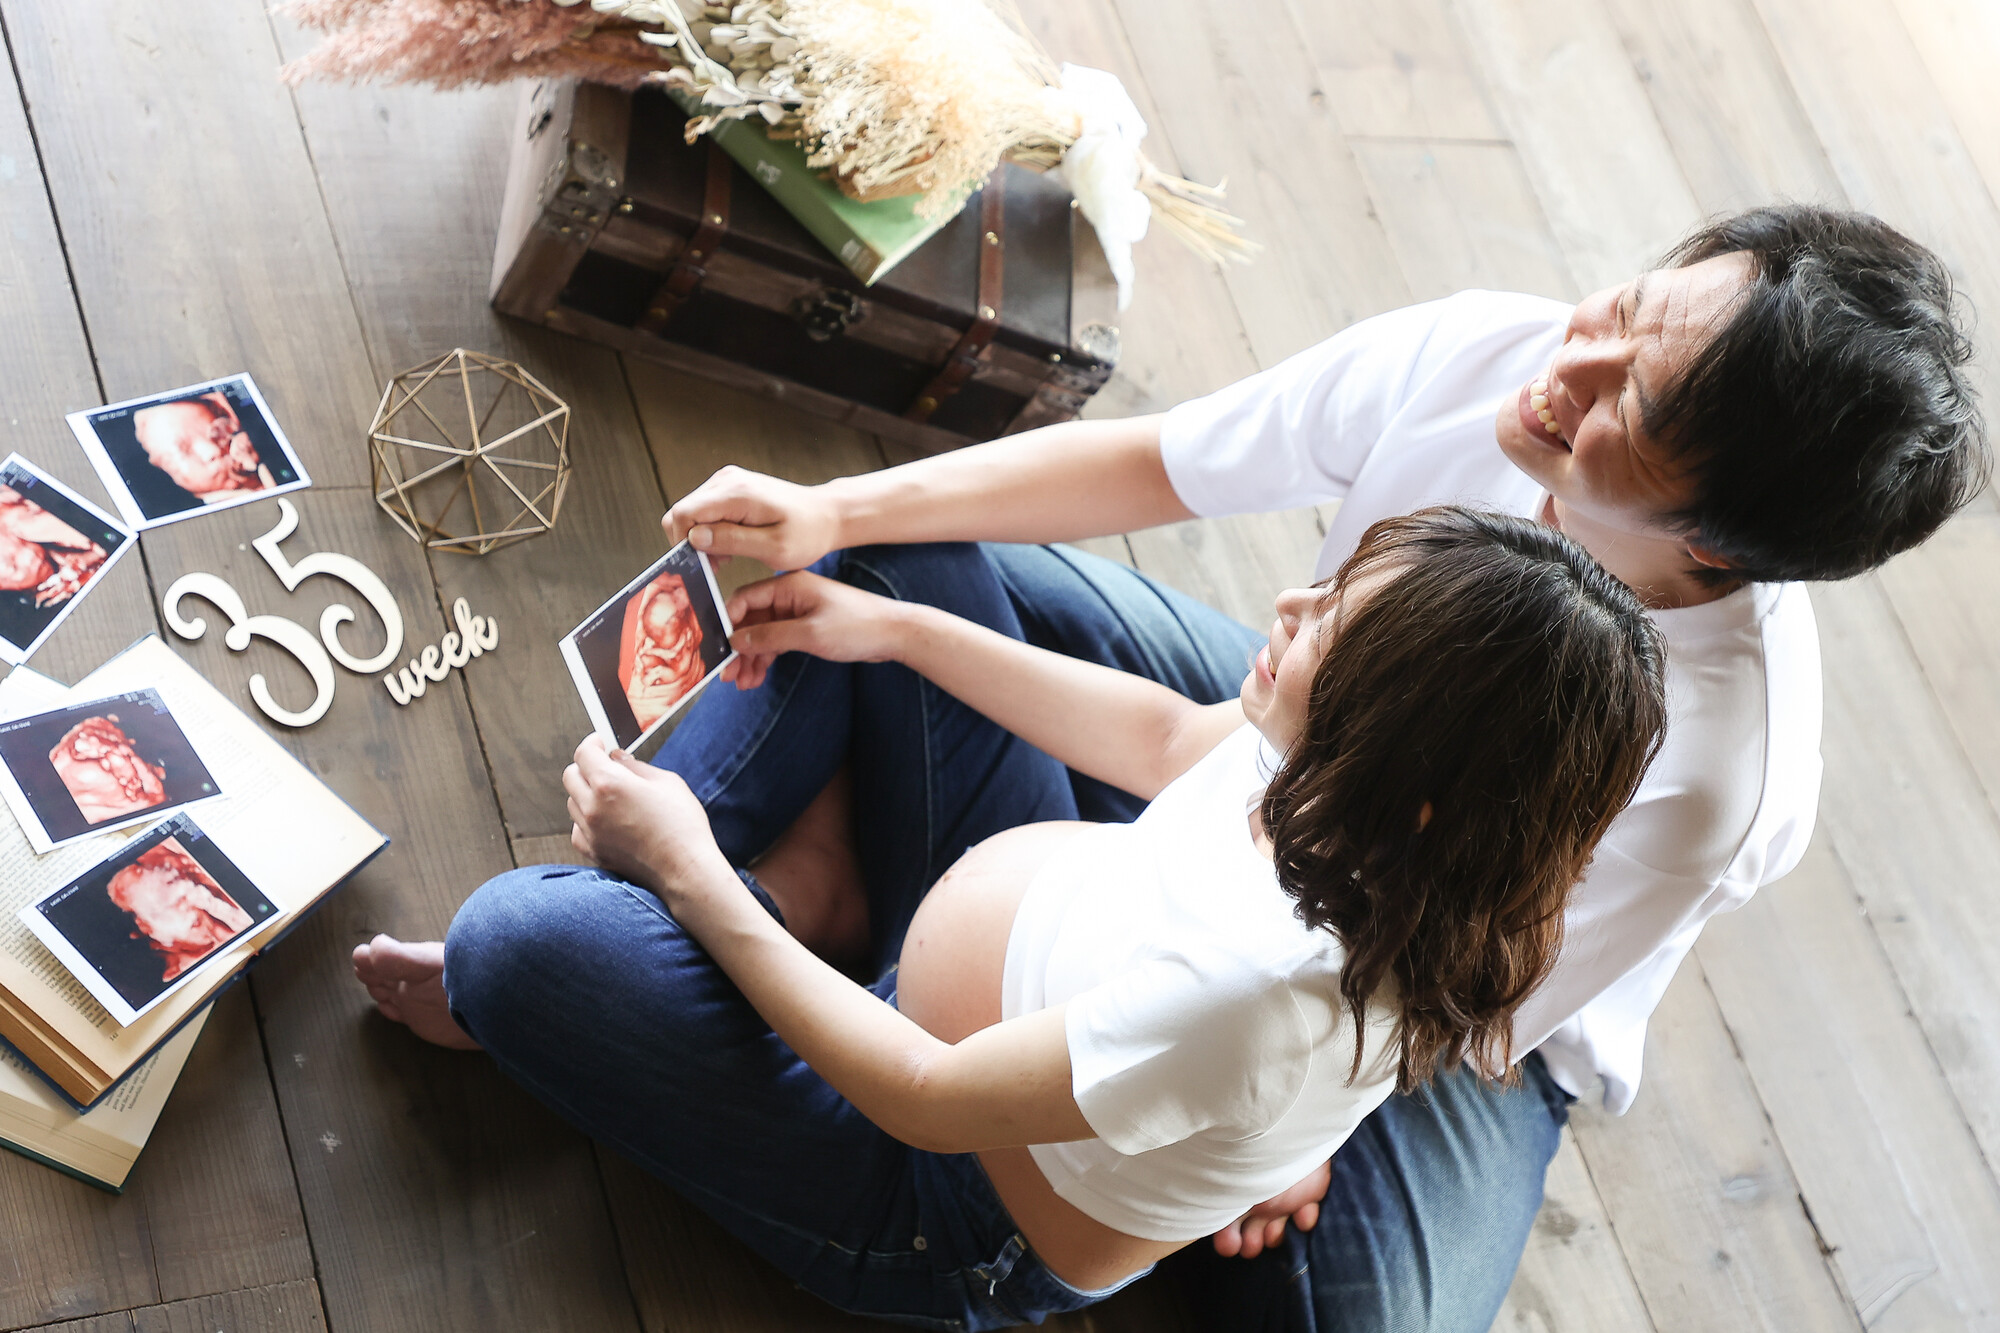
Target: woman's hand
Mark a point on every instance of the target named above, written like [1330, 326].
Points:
[642, 824]
[1263, 1227]
[805, 613]
[738, 512]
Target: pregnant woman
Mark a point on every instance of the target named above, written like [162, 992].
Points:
[1084, 1045]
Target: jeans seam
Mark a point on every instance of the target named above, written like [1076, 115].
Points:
[924, 690]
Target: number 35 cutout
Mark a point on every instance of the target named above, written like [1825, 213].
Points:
[317, 656]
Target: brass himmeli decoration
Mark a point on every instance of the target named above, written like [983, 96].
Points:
[462, 440]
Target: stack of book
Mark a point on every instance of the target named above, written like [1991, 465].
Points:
[157, 846]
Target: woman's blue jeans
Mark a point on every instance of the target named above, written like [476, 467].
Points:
[588, 993]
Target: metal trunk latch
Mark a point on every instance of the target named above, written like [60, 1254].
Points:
[827, 312]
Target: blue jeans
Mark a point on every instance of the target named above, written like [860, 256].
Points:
[661, 1057]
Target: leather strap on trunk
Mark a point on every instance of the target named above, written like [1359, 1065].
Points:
[692, 266]
[964, 357]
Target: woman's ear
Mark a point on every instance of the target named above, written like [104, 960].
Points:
[1702, 555]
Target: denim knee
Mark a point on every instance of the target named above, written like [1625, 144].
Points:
[934, 573]
[508, 934]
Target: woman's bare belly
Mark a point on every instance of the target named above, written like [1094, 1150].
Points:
[949, 983]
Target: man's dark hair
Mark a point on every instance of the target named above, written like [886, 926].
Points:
[1830, 423]
[1498, 675]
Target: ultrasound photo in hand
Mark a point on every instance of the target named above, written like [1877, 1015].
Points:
[642, 655]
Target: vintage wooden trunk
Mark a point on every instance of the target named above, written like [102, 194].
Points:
[616, 230]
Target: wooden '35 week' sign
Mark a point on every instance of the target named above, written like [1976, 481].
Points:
[474, 635]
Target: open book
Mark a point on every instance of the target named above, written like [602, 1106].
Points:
[283, 827]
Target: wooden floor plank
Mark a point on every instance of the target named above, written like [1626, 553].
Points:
[291, 1307]
[1396, 70]
[1462, 215]
[1895, 1180]
[1593, 147]
[1917, 835]
[1573, 1277]
[1182, 335]
[203, 1211]
[193, 223]
[1892, 139]
[221, 1206]
[1954, 637]
[1739, 133]
[1246, 105]
[1238, 564]
[1705, 1205]
[46, 371]
[1959, 43]
[75, 1250]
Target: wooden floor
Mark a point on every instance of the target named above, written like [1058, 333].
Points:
[1814, 1144]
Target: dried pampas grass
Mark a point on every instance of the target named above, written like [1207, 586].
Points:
[452, 43]
[888, 97]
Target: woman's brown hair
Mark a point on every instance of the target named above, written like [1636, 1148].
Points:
[1495, 673]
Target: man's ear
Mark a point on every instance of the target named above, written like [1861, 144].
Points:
[1702, 555]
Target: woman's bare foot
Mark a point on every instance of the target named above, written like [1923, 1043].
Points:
[406, 982]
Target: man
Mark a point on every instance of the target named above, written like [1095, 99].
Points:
[202, 447]
[1784, 399]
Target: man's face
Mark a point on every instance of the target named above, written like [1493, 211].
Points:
[202, 451]
[1624, 347]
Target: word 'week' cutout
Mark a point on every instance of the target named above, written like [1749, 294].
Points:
[474, 635]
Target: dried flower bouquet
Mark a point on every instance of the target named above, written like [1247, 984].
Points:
[923, 97]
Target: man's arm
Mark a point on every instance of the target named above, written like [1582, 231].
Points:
[1059, 483]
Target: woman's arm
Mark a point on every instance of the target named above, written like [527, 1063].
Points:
[1116, 727]
[1005, 1086]
[1059, 483]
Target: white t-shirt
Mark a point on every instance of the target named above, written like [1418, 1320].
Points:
[1209, 1049]
[1396, 413]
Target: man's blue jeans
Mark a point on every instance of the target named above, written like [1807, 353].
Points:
[588, 993]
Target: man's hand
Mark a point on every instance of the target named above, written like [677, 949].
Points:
[805, 613]
[1263, 1227]
[641, 823]
[736, 512]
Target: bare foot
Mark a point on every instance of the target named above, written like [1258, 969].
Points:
[406, 982]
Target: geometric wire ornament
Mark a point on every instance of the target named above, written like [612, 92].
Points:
[460, 442]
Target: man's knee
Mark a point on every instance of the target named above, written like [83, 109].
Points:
[933, 573]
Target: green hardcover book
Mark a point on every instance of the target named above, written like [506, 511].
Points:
[870, 239]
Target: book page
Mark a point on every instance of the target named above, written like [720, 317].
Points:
[282, 827]
[124, 1120]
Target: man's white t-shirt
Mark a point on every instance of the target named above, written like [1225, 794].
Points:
[1396, 413]
[1209, 1048]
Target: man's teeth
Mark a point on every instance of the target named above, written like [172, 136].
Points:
[1538, 398]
